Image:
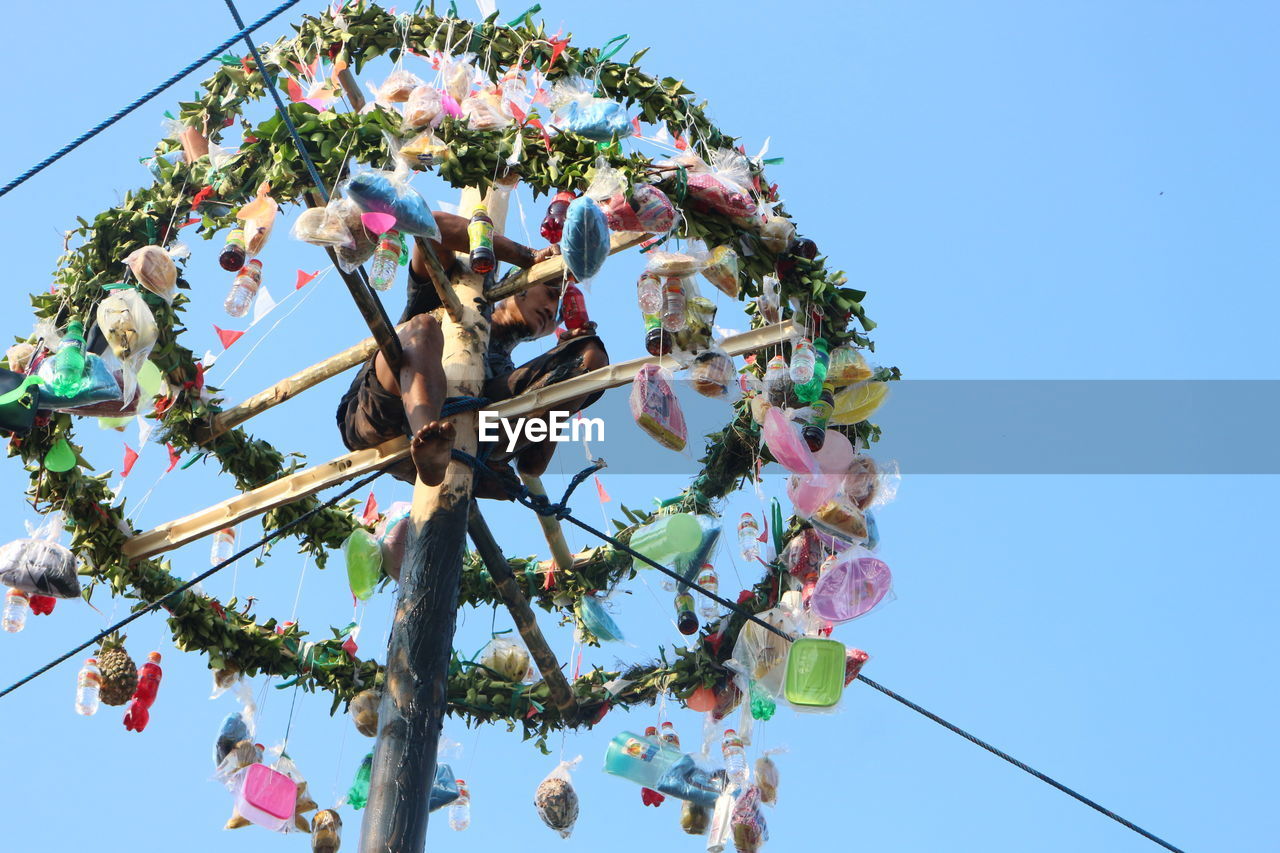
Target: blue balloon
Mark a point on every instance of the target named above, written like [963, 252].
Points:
[585, 242]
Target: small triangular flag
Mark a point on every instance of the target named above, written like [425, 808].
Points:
[304, 278]
[145, 428]
[227, 336]
[604, 496]
[262, 305]
[174, 456]
[130, 457]
[370, 514]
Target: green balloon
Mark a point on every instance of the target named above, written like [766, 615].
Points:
[364, 562]
[60, 458]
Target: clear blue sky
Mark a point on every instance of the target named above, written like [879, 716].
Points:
[1027, 191]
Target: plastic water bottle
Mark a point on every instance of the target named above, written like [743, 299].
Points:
[480, 234]
[669, 735]
[88, 683]
[386, 262]
[707, 580]
[673, 305]
[802, 362]
[749, 537]
[224, 544]
[68, 364]
[649, 293]
[573, 307]
[460, 809]
[245, 287]
[776, 377]
[233, 252]
[17, 604]
[553, 225]
[735, 758]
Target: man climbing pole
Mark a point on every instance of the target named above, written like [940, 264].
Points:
[381, 404]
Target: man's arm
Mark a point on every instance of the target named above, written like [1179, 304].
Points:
[453, 238]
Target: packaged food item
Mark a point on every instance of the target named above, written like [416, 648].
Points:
[127, 323]
[847, 366]
[556, 800]
[577, 110]
[324, 226]
[646, 208]
[712, 373]
[767, 779]
[484, 111]
[749, 829]
[508, 658]
[364, 710]
[723, 185]
[259, 217]
[694, 819]
[424, 151]
[154, 269]
[841, 519]
[722, 270]
[389, 192]
[363, 241]
[656, 409]
[679, 264]
[422, 108]
[776, 231]
[398, 87]
[858, 402]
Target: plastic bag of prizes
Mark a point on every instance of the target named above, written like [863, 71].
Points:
[577, 110]
[507, 658]
[154, 269]
[722, 270]
[749, 829]
[389, 192]
[422, 108]
[556, 801]
[325, 226]
[259, 217]
[38, 565]
[656, 409]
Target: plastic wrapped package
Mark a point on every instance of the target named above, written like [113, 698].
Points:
[722, 270]
[363, 555]
[851, 586]
[422, 108]
[667, 537]
[390, 193]
[423, 151]
[841, 519]
[556, 800]
[723, 184]
[19, 356]
[324, 226]
[767, 778]
[392, 533]
[398, 87]
[577, 110]
[749, 829]
[858, 402]
[853, 662]
[655, 408]
[363, 241]
[508, 658]
[326, 832]
[815, 673]
[596, 619]
[259, 217]
[154, 269]
[712, 373]
[99, 386]
[762, 653]
[233, 731]
[264, 796]
[785, 443]
[678, 264]
[694, 818]
[484, 111]
[700, 318]
[364, 710]
[647, 209]
[38, 565]
[130, 329]
[664, 768]
[847, 366]
[585, 241]
[457, 73]
[810, 492]
[776, 232]
[861, 481]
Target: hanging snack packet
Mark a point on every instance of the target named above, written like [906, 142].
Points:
[656, 409]
[577, 110]
[484, 111]
[154, 269]
[847, 366]
[259, 217]
[712, 373]
[323, 226]
[364, 710]
[556, 801]
[398, 86]
[647, 209]
[722, 185]
[38, 565]
[722, 270]
[457, 72]
[130, 329]
[423, 151]
[767, 779]
[508, 659]
[422, 108]
[585, 242]
[389, 192]
[776, 231]
[749, 829]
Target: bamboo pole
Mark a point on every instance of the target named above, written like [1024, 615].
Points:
[440, 281]
[229, 513]
[551, 529]
[552, 269]
[414, 700]
[522, 615]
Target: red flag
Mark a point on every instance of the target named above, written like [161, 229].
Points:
[304, 278]
[295, 91]
[174, 456]
[681, 144]
[557, 48]
[604, 496]
[519, 114]
[635, 126]
[130, 457]
[228, 336]
[370, 514]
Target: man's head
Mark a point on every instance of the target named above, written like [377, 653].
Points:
[534, 311]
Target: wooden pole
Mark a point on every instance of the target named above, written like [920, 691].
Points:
[522, 615]
[552, 269]
[551, 529]
[414, 699]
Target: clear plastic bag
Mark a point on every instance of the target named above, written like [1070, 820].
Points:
[722, 270]
[556, 800]
[509, 659]
[854, 583]
[749, 829]
[776, 231]
[127, 323]
[392, 533]
[364, 242]
[154, 269]
[233, 731]
[681, 264]
[457, 73]
[324, 226]
[712, 374]
[390, 192]
[422, 108]
[38, 565]
[100, 387]
[647, 210]
[767, 777]
[259, 217]
[364, 711]
[423, 151]
[655, 408]
[577, 110]
[596, 620]
[722, 185]
[484, 111]
[585, 241]
[398, 86]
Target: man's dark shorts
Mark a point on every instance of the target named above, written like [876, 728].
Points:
[369, 414]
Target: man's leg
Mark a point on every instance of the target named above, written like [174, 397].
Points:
[421, 387]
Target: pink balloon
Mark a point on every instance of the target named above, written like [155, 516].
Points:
[808, 492]
[786, 445]
[378, 223]
[836, 454]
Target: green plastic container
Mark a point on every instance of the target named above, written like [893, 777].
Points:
[364, 562]
[666, 538]
[815, 672]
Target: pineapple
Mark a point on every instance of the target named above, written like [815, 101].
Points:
[119, 672]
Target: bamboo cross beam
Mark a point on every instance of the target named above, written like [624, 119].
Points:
[551, 529]
[552, 269]
[175, 534]
[522, 615]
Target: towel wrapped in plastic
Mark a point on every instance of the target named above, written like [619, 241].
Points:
[585, 242]
[38, 565]
[389, 192]
[577, 110]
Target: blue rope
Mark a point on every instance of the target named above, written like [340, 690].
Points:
[94, 131]
[280, 107]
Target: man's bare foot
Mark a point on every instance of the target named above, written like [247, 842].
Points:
[430, 451]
